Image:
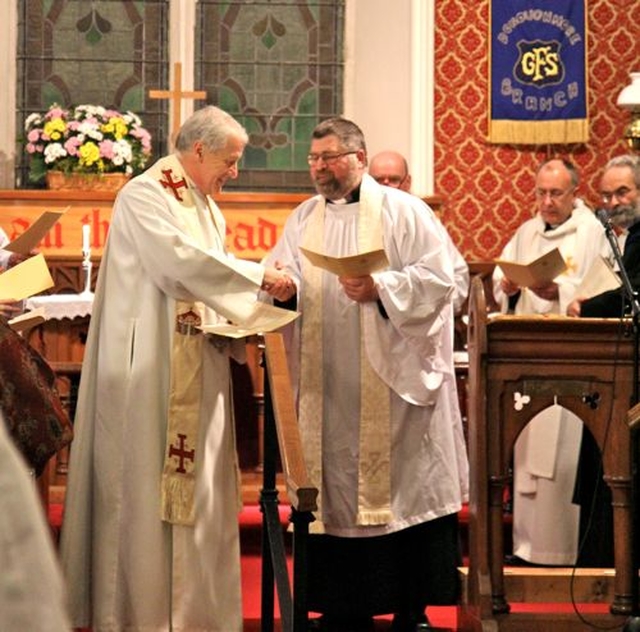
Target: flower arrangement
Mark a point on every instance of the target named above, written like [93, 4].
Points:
[87, 139]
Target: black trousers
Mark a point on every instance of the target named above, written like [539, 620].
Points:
[400, 572]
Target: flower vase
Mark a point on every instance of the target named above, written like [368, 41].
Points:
[102, 182]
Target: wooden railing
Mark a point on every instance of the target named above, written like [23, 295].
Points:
[281, 436]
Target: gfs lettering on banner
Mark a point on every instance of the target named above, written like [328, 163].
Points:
[540, 62]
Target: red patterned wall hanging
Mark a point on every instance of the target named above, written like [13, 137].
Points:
[488, 189]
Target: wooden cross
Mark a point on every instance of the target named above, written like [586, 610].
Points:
[176, 95]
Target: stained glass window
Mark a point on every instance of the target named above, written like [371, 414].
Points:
[101, 52]
[277, 66]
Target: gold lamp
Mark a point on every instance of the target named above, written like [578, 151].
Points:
[629, 99]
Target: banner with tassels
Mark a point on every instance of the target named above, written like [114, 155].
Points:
[538, 72]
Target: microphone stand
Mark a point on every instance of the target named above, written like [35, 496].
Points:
[633, 622]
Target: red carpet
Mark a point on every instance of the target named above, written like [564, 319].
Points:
[442, 617]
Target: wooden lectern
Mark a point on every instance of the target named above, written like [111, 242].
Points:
[519, 366]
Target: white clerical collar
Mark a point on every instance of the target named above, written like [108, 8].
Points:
[350, 198]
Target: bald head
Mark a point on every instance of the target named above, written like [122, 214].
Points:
[556, 183]
[390, 168]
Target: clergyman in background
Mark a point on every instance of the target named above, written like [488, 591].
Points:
[391, 169]
[620, 195]
[545, 520]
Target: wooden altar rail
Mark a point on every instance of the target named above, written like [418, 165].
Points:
[585, 365]
[282, 431]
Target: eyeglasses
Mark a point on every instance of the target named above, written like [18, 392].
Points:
[619, 193]
[328, 159]
[392, 181]
[554, 194]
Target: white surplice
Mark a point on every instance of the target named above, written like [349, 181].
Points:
[31, 589]
[125, 568]
[411, 352]
[545, 521]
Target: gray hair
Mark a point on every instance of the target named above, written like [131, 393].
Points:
[568, 165]
[348, 133]
[210, 125]
[631, 162]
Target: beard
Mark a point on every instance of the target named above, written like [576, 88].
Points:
[625, 215]
[330, 187]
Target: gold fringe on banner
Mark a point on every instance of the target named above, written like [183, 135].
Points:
[539, 132]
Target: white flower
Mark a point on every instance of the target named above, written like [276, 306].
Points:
[53, 151]
[88, 128]
[122, 152]
[33, 119]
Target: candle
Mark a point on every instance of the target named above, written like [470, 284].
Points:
[86, 236]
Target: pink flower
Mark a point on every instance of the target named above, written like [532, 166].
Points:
[143, 135]
[106, 149]
[71, 145]
[55, 113]
[33, 136]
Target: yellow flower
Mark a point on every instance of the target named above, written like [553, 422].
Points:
[54, 128]
[116, 126]
[89, 154]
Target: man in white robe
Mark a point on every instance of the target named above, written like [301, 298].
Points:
[31, 589]
[545, 520]
[377, 401]
[150, 535]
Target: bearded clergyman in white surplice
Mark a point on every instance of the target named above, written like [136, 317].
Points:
[378, 406]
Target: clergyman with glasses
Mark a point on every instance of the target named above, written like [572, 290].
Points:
[378, 412]
[545, 520]
[620, 195]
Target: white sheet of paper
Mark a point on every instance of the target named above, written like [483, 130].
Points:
[353, 266]
[264, 318]
[600, 278]
[29, 277]
[28, 319]
[31, 237]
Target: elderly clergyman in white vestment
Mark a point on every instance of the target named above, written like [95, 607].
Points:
[545, 519]
[377, 403]
[150, 535]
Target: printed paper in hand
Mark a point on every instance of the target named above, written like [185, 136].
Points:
[29, 277]
[600, 278]
[26, 242]
[353, 266]
[264, 318]
[539, 272]
[28, 319]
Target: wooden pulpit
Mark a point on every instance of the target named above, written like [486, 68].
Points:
[518, 366]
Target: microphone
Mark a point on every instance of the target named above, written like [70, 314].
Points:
[603, 217]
